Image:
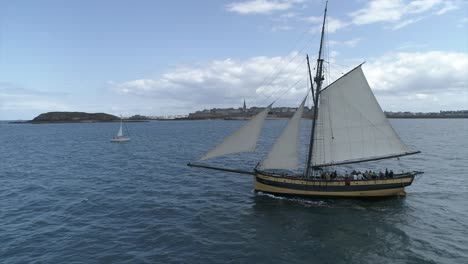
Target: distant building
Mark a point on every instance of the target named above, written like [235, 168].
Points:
[441, 114]
[244, 112]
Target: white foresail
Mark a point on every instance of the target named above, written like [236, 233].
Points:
[242, 140]
[351, 126]
[283, 154]
[120, 133]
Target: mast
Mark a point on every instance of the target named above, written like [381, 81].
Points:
[318, 85]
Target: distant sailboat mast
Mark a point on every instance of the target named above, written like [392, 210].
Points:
[318, 85]
[120, 136]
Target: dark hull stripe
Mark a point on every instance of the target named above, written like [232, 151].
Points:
[344, 188]
[321, 197]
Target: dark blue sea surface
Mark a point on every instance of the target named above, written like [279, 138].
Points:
[69, 195]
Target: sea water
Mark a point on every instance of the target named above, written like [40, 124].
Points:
[69, 195]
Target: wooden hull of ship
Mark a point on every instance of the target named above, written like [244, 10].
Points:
[288, 186]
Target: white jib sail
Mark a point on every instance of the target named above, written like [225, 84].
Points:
[242, 140]
[351, 126]
[283, 154]
[120, 133]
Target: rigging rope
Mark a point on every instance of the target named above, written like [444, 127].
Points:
[273, 75]
[276, 76]
[274, 94]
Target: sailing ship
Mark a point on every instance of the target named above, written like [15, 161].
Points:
[348, 127]
[120, 136]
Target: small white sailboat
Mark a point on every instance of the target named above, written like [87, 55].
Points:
[120, 136]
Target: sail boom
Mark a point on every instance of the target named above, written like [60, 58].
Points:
[367, 159]
[221, 169]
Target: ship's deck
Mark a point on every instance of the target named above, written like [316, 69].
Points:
[339, 178]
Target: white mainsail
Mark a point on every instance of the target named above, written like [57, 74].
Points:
[242, 140]
[351, 126]
[120, 133]
[283, 154]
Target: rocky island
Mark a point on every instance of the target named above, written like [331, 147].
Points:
[73, 117]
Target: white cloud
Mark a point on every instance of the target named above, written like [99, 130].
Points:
[261, 6]
[436, 80]
[224, 82]
[378, 11]
[332, 24]
[405, 23]
[448, 6]
[399, 12]
[421, 6]
[352, 42]
[396, 14]
[419, 73]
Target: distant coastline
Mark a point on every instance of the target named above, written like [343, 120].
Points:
[435, 115]
[77, 117]
[217, 114]
[243, 113]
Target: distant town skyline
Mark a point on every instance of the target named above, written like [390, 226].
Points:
[159, 58]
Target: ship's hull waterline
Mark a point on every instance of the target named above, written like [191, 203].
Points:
[332, 189]
[120, 140]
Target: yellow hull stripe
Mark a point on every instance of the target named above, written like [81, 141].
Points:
[357, 193]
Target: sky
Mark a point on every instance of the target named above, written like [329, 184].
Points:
[173, 57]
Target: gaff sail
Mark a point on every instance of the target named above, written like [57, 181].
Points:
[351, 126]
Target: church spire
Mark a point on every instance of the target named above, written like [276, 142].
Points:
[245, 107]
